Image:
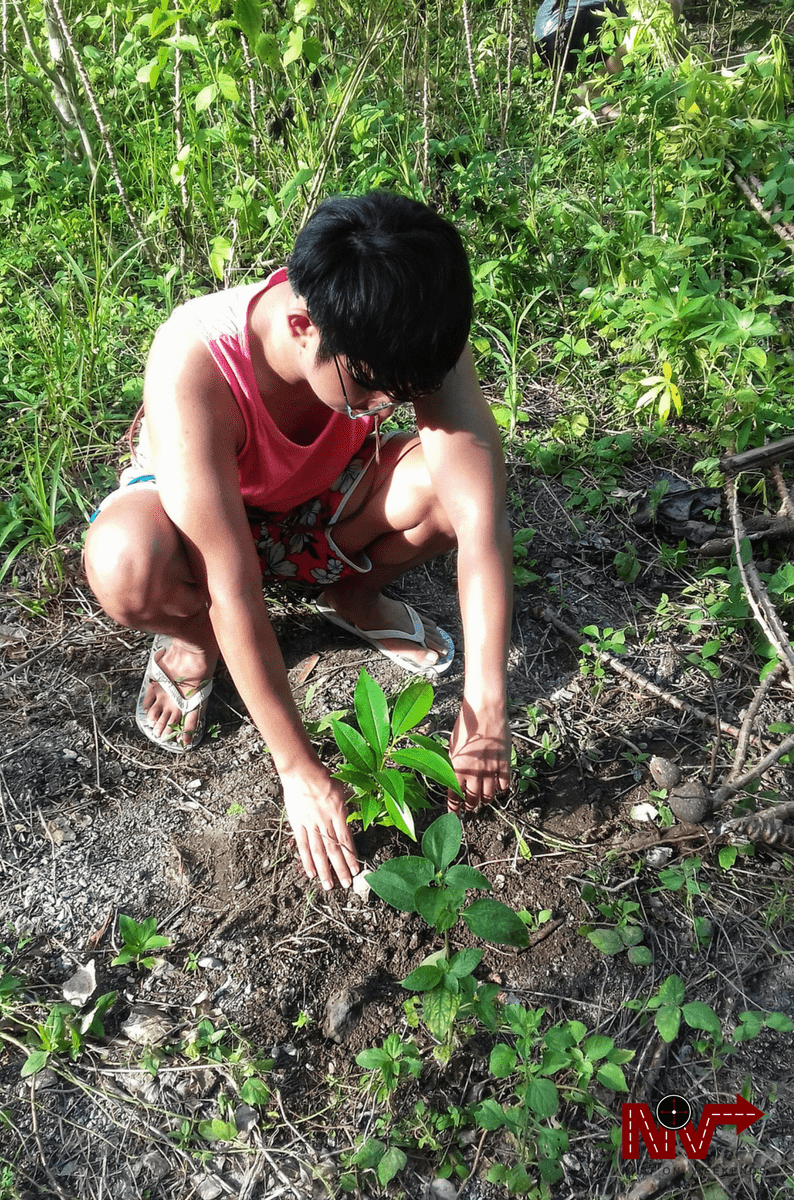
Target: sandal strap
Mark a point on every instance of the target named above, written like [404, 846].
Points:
[185, 704]
[417, 636]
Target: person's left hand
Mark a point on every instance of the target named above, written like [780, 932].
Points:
[480, 752]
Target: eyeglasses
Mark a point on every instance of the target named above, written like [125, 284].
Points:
[363, 412]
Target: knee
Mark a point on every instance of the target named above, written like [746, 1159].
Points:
[119, 574]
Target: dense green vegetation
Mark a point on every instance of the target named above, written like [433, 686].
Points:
[155, 151]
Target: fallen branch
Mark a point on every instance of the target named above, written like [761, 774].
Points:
[609, 660]
[661, 1178]
[751, 190]
[764, 610]
[761, 456]
[767, 826]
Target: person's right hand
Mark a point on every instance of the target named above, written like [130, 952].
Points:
[317, 812]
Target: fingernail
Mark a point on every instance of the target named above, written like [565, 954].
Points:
[327, 886]
[431, 656]
[346, 884]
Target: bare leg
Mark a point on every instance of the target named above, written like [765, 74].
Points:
[138, 570]
[398, 522]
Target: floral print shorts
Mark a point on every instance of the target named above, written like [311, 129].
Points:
[298, 545]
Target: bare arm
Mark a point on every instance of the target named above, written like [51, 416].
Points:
[464, 456]
[194, 428]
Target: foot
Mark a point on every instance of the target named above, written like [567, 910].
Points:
[189, 667]
[384, 613]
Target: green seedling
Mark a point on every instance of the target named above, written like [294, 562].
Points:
[669, 1011]
[382, 793]
[627, 564]
[529, 1116]
[624, 934]
[436, 889]
[395, 1060]
[138, 942]
[374, 1159]
[608, 641]
[522, 569]
[65, 1031]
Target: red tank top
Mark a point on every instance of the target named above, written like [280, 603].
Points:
[275, 473]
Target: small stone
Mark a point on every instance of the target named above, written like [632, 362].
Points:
[361, 886]
[146, 1025]
[659, 856]
[245, 1118]
[209, 963]
[193, 785]
[664, 772]
[208, 1187]
[81, 986]
[44, 1079]
[341, 1013]
[442, 1189]
[690, 801]
[644, 812]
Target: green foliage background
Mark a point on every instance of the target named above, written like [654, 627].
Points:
[154, 151]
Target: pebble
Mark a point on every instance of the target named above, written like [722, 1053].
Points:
[690, 801]
[442, 1189]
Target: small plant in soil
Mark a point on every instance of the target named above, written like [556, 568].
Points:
[138, 942]
[436, 889]
[625, 932]
[382, 793]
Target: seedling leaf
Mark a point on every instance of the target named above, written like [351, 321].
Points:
[355, 748]
[434, 764]
[442, 839]
[372, 713]
[396, 882]
[495, 922]
[411, 707]
[466, 877]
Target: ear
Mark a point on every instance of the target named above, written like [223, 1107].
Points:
[300, 324]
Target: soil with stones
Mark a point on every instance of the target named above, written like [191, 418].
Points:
[97, 822]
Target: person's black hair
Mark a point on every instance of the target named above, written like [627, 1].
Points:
[387, 283]
[562, 27]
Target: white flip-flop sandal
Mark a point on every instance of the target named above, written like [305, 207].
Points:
[186, 704]
[376, 636]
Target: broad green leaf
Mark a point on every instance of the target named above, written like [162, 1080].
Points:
[401, 816]
[411, 706]
[217, 1131]
[466, 877]
[672, 990]
[266, 49]
[393, 1161]
[422, 978]
[699, 1016]
[609, 1075]
[503, 1061]
[640, 956]
[751, 1025]
[542, 1097]
[228, 88]
[34, 1063]
[294, 46]
[780, 1022]
[248, 15]
[495, 922]
[441, 840]
[668, 1022]
[438, 1009]
[132, 933]
[432, 764]
[149, 74]
[184, 41]
[373, 1058]
[727, 857]
[489, 1115]
[372, 713]
[597, 1046]
[370, 1154]
[356, 750]
[357, 779]
[303, 8]
[205, 97]
[429, 902]
[465, 961]
[396, 882]
[312, 50]
[255, 1092]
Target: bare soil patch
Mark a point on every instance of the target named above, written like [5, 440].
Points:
[96, 822]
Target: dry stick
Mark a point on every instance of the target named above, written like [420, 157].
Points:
[661, 1178]
[34, 1121]
[760, 456]
[6, 89]
[786, 504]
[641, 681]
[469, 54]
[749, 717]
[763, 608]
[103, 133]
[784, 232]
[180, 141]
[769, 760]
[509, 88]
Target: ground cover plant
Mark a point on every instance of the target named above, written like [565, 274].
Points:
[179, 1013]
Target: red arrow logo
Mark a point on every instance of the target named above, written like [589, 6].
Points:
[637, 1122]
